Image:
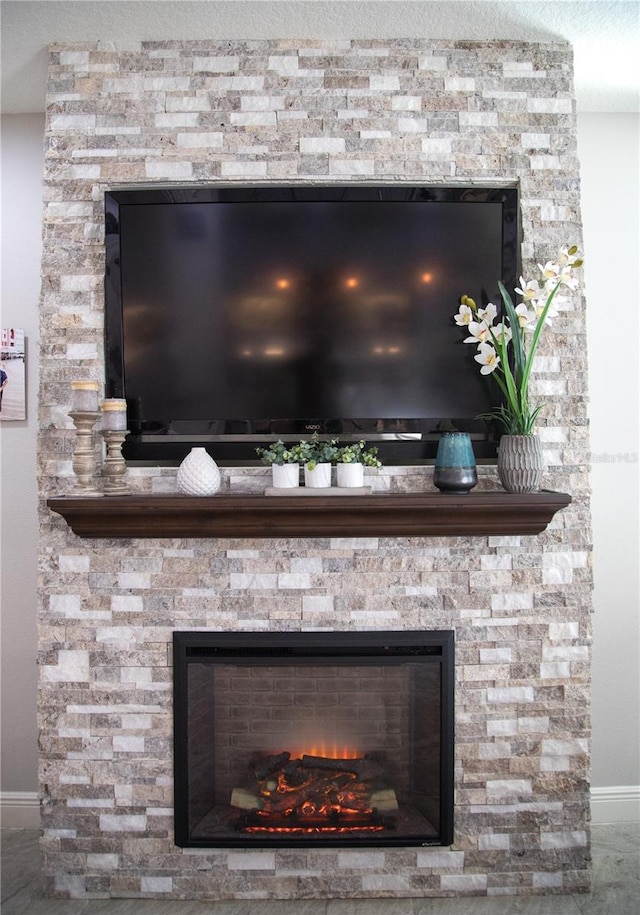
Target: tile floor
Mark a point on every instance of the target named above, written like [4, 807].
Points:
[616, 890]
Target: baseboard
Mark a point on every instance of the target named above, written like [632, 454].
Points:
[618, 804]
[19, 809]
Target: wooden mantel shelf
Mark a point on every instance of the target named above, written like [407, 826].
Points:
[256, 516]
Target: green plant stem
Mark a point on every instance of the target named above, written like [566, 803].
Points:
[514, 384]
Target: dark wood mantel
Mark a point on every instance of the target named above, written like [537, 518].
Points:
[256, 516]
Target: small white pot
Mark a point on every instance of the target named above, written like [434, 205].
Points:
[285, 476]
[319, 477]
[350, 475]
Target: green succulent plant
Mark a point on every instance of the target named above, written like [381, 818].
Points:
[318, 451]
[281, 453]
[358, 453]
[315, 451]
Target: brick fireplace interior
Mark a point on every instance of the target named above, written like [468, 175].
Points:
[269, 111]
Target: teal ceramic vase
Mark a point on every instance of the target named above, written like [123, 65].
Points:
[455, 470]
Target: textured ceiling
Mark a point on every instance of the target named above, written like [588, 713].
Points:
[605, 33]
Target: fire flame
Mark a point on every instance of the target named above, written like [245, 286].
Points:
[333, 751]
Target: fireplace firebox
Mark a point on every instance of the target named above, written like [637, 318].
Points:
[313, 738]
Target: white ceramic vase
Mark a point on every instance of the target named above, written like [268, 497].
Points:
[285, 476]
[198, 474]
[319, 477]
[350, 475]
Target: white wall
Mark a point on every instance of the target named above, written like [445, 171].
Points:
[609, 151]
[22, 188]
[608, 146]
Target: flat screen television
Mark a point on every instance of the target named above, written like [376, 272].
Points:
[238, 315]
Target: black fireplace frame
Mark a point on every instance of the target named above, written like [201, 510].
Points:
[365, 647]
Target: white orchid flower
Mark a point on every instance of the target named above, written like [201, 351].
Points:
[526, 316]
[488, 358]
[552, 313]
[529, 289]
[550, 271]
[502, 333]
[479, 332]
[567, 278]
[464, 316]
[488, 314]
[569, 256]
[554, 308]
[521, 325]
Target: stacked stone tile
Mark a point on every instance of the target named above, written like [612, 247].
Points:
[280, 111]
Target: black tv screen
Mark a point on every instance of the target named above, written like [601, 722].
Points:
[239, 315]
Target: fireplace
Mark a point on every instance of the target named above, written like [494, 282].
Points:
[325, 739]
[519, 604]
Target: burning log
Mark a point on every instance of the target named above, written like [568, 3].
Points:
[294, 774]
[318, 794]
[267, 765]
[315, 786]
[362, 767]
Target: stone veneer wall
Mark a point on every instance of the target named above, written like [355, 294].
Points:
[375, 111]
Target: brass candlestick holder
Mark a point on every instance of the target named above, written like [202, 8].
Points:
[84, 455]
[115, 466]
